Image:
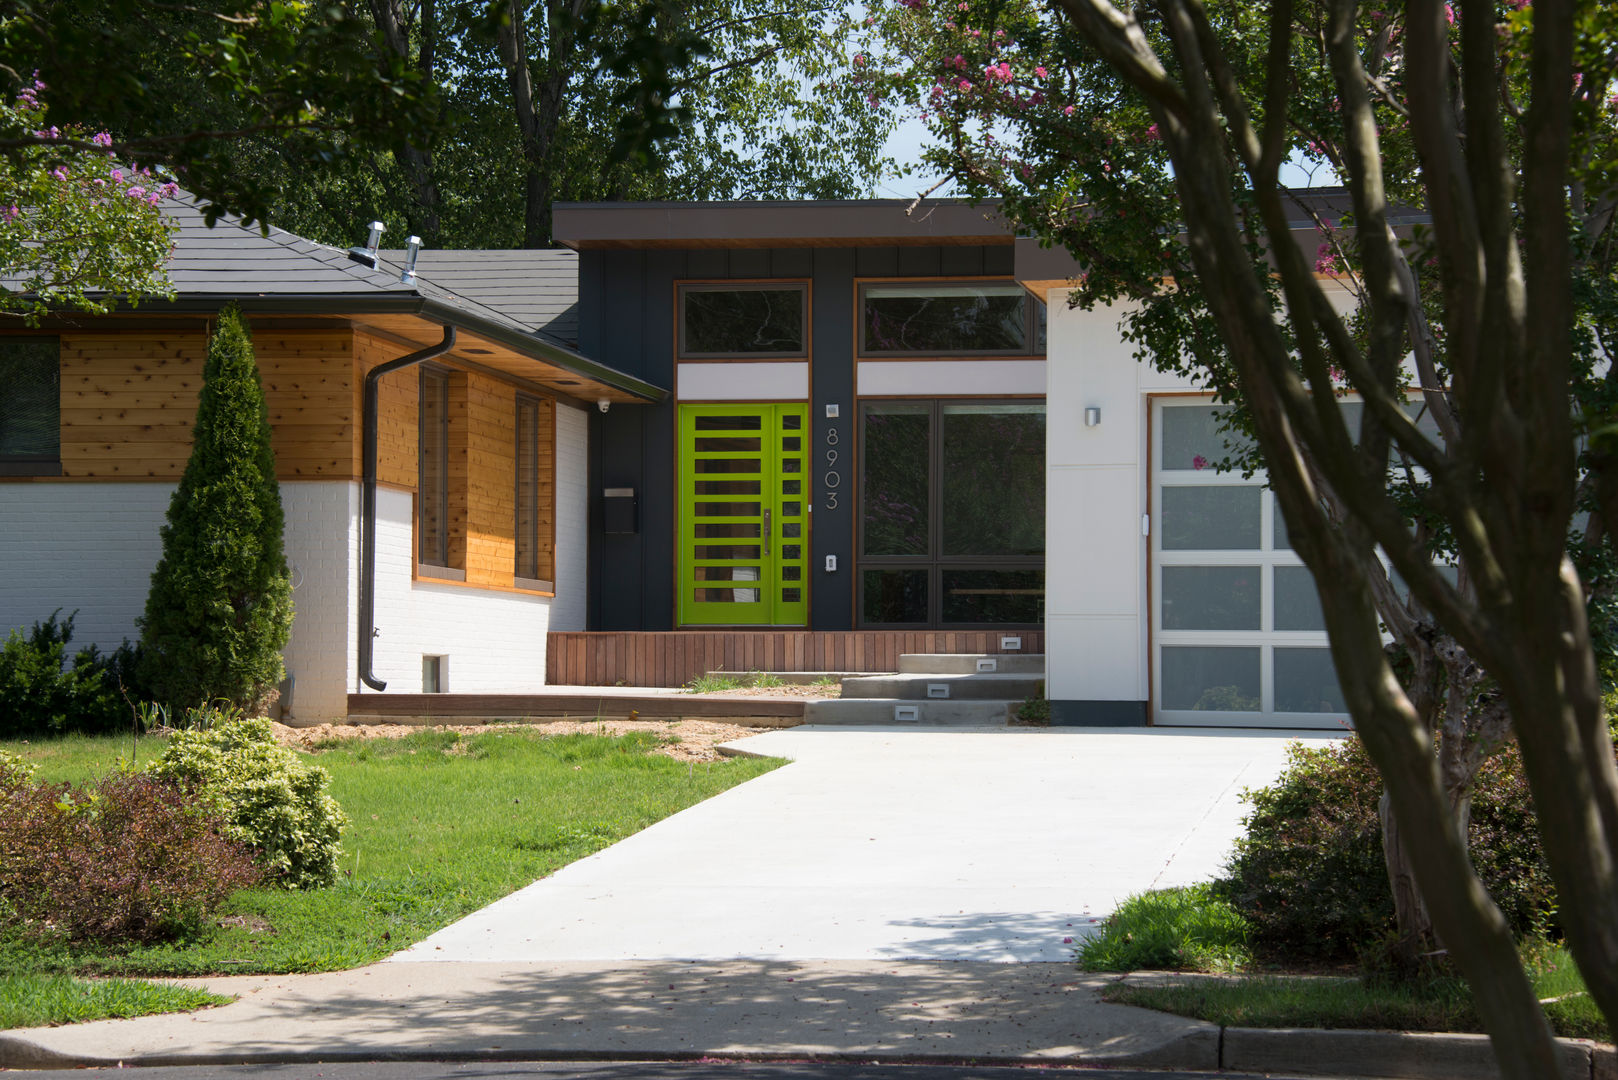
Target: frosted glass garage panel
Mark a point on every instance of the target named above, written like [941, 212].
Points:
[1219, 517]
[1192, 438]
[1306, 682]
[1211, 679]
[1297, 604]
[1212, 597]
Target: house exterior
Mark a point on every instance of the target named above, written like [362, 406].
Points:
[480, 539]
[826, 416]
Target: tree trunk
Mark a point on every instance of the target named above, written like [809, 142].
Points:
[416, 161]
[1415, 924]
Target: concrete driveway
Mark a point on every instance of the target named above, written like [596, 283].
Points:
[891, 844]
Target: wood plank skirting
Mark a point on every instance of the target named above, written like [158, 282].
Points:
[675, 657]
[768, 711]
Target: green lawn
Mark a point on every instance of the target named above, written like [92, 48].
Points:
[38, 1000]
[441, 825]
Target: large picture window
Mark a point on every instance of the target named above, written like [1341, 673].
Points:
[950, 319]
[952, 521]
[30, 405]
[744, 321]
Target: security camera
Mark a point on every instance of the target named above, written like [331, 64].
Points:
[603, 404]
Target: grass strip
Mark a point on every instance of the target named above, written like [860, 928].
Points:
[48, 1000]
[1278, 1001]
[441, 824]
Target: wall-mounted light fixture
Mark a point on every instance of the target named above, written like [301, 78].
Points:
[1092, 416]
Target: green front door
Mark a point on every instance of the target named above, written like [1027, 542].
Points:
[743, 516]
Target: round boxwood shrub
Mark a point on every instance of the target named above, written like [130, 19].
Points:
[1309, 876]
[271, 799]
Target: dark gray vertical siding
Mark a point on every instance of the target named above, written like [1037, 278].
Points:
[831, 604]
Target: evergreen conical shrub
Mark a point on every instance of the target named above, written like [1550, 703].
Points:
[220, 606]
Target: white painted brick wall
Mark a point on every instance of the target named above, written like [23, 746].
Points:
[572, 517]
[92, 547]
[495, 641]
[322, 548]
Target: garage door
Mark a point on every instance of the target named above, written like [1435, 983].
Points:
[1238, 638]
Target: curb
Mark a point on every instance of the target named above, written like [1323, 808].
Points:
[1365, 1055]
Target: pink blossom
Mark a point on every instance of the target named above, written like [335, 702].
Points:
[101, 138]
[961, 7]
[1000, 72]
[859, 59]
[1199, 463]
[915, 5]
[965, 84]
[117, 176]
[12, 213]
[1069, 111]
[1325, 259]
[136, 192]
[1041, 73]
[1449, 13]
[1067, 941]
[60, 172]
[999, 33]
[1153, 135]
[169, 190]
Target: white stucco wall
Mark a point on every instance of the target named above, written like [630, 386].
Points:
[572, 517]
[1096, 616]
[494, 641]
[322, 549]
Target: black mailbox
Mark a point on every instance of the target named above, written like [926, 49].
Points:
[618, 517]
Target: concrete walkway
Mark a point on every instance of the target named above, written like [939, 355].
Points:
[885, 844]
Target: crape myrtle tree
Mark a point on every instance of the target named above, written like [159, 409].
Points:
[79, 232]
[220, 607]
[1150, 140]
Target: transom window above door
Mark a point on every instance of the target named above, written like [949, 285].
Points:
[744, 320]
[968, 318]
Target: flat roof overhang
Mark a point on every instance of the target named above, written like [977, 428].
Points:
[953, 222]
[416, 321]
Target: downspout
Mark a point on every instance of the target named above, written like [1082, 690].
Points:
[368, 500]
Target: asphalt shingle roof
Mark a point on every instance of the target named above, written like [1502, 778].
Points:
[538, 289]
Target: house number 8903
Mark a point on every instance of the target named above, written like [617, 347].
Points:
[832, 479]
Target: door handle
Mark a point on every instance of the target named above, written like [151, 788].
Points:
[766, 532]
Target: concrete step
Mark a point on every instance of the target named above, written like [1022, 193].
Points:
[882, 712]
[942, 687]
[966, 664]
[793, 678]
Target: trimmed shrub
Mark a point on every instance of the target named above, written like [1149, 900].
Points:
[1309, 874]
[131, 859]
[43, 693]
[270, 798]
[220, 606]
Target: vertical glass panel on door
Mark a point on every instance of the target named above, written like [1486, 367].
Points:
[893, 596]
[1193, 439]
[896, 499]
[1212, 597]
[1306, 682]
[1297, 604]
[992, 596]
[1211, 679]
[1217, 517]
[993, 479]
[944, 320]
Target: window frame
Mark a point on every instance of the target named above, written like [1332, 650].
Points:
[1031, 319]
[935, 562]
[535, 404]
[684, 288]
[49, 464]
[426, 562]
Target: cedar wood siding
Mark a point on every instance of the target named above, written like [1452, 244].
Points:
[129, 401]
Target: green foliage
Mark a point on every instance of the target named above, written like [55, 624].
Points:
[1036, 709]
[271, 799]
[1186, 929]
[49, 1000]
[43, 693]
[76, 230]
[443, 824]
[1309, 874]
[130, 859]
[715, 681]
[220, 606]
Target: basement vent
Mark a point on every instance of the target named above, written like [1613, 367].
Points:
[1010, 644]
[987, 664]
[938, 690]
[907, 714]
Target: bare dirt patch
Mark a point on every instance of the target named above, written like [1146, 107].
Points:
[683, 740]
